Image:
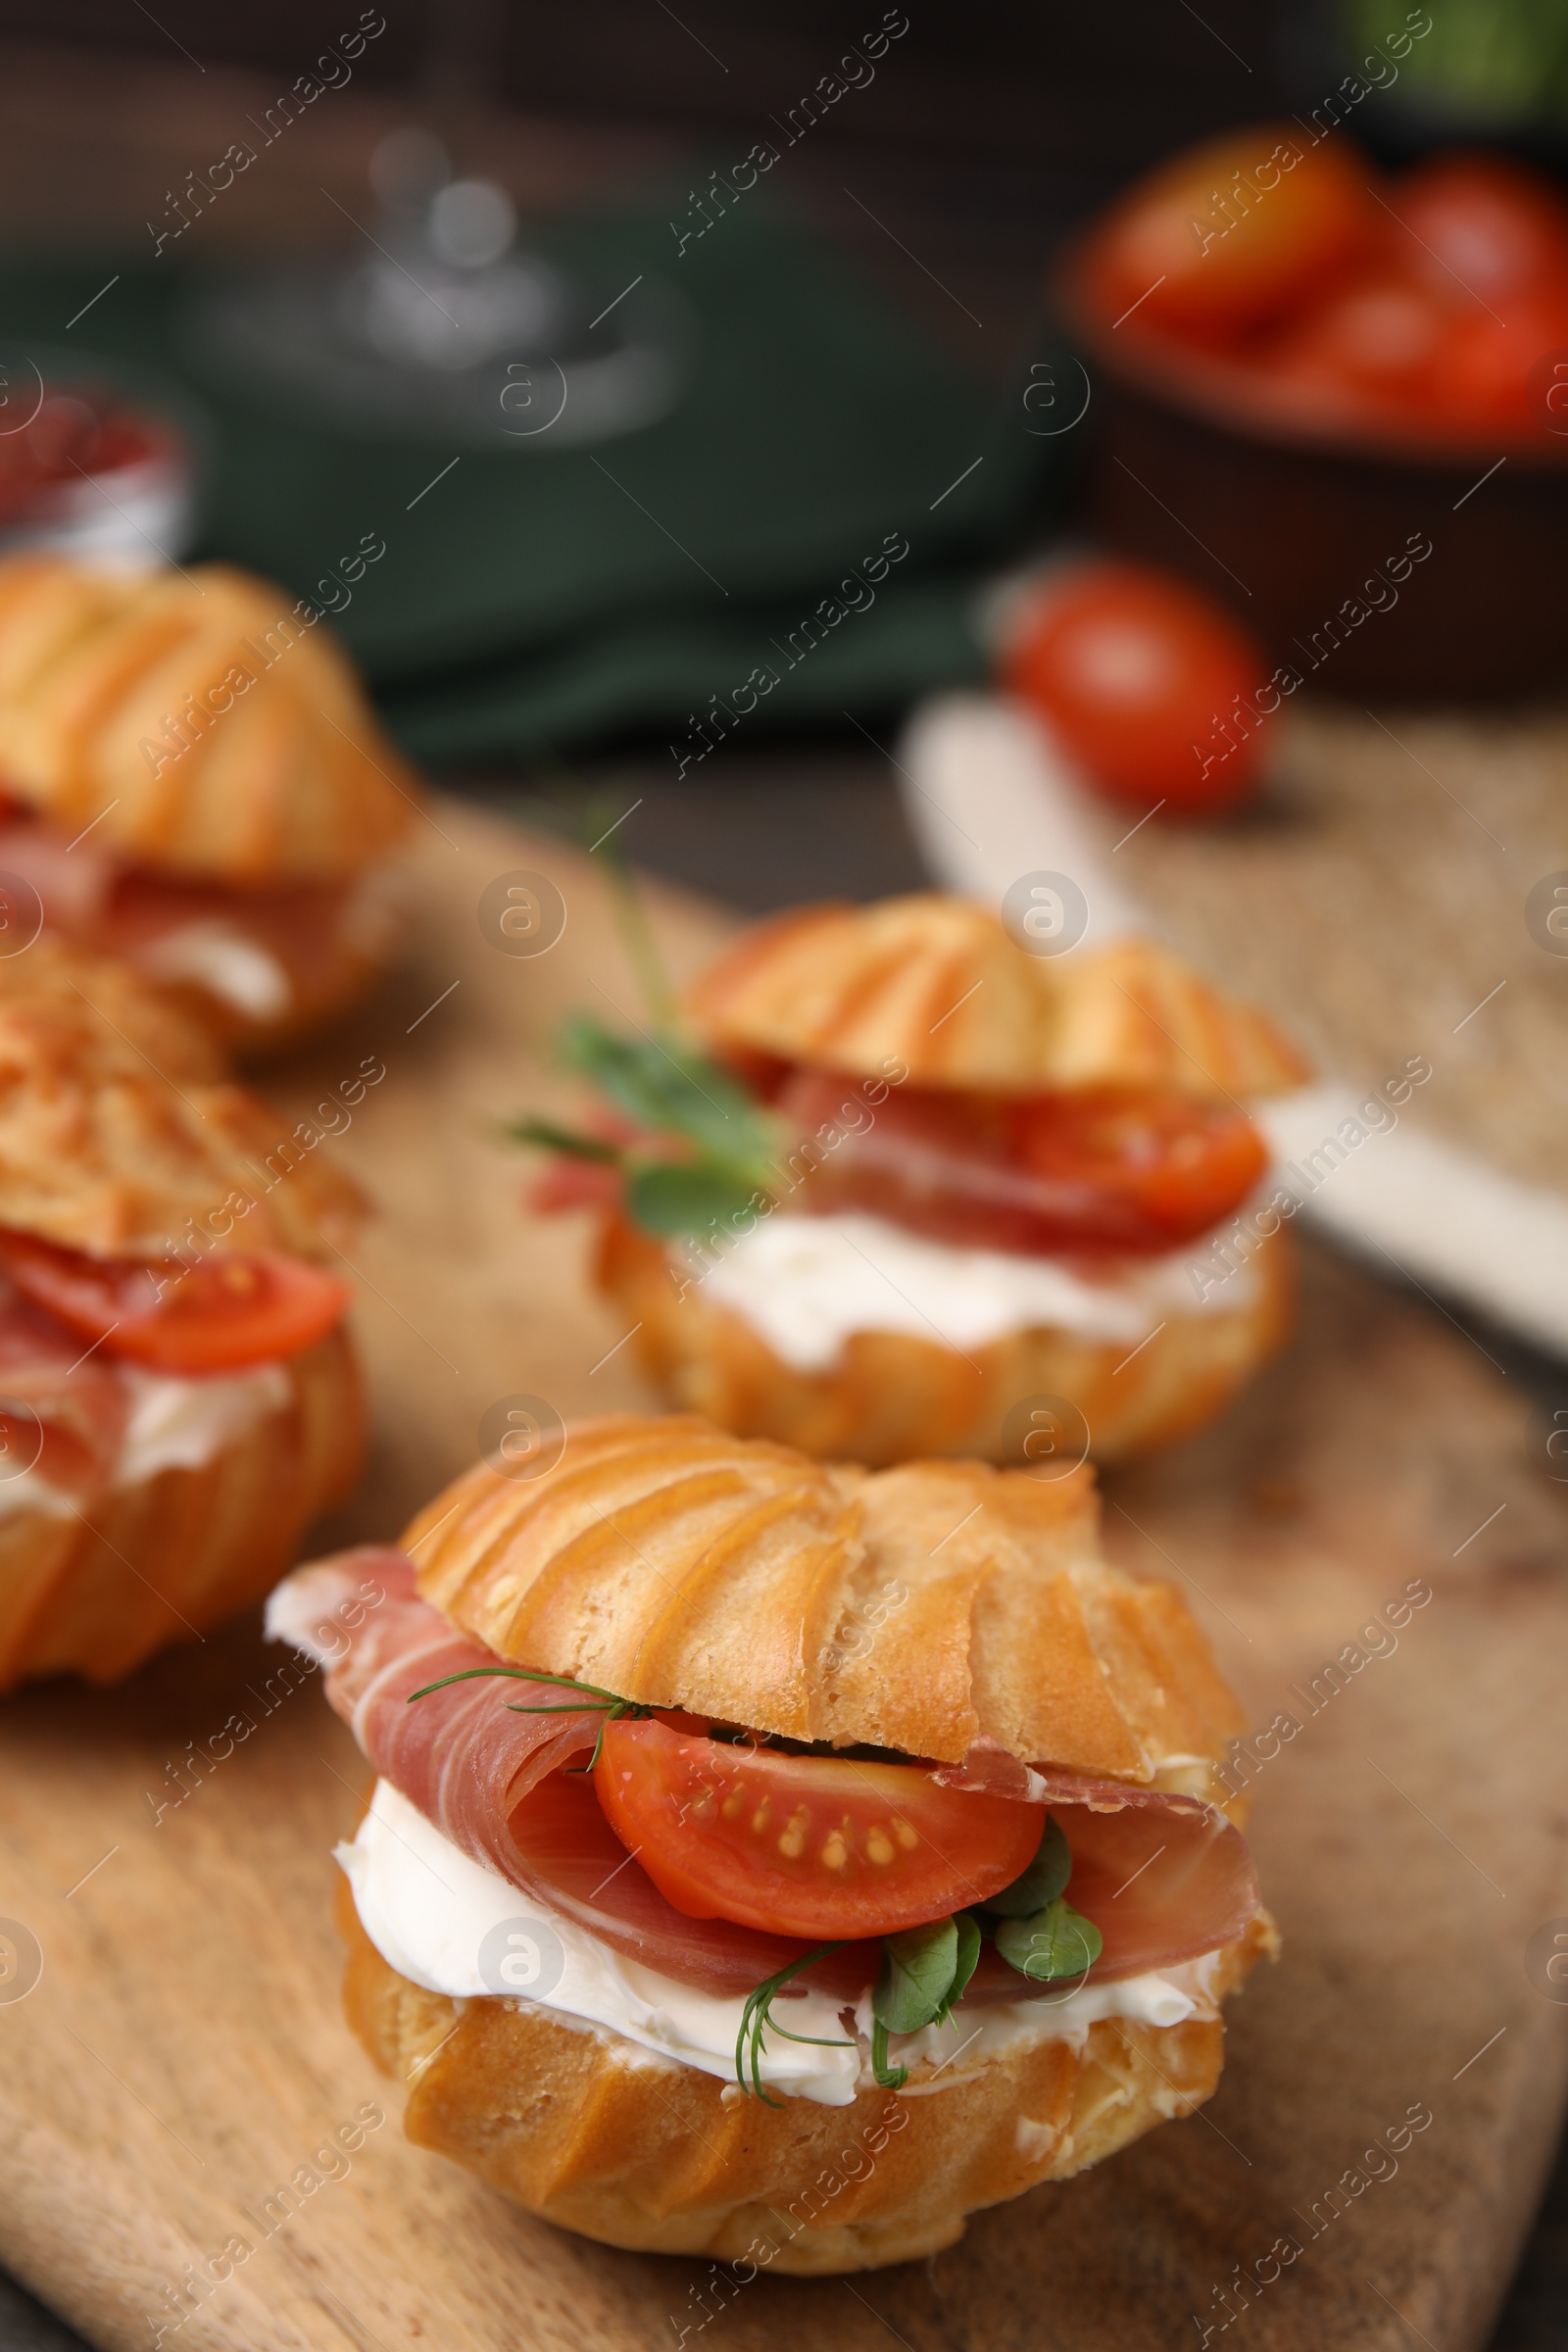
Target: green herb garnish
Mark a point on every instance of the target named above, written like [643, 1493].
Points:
[551, 1138]
[924, 1971]
[1036, 1931]
[712, 1148]
[757, 2017]
[965, 1964]
[1058, 1941]
[607, 1703]
[1040, 1882]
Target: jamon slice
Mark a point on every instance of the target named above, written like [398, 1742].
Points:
[488, 1779]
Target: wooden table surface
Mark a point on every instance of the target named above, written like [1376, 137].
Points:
[184, 2051]
[90, 144]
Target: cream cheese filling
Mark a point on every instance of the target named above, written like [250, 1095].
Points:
[174, 1424]
[219, 957]
[454, 1926]
[807, 1284]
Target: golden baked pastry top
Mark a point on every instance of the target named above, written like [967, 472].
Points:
[938, 982]
[116, 1137]
[196, 719]
[678, 1566]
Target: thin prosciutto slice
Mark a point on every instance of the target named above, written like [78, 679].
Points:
[1165, 1878]
[62, 1409]
[305, 928]
[488, 1779]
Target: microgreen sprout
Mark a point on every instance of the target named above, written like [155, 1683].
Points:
[607, 1703]
[758, 2016]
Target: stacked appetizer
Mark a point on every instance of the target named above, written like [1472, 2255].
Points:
[773, 1859]
[177, 1395]
[902, 1188]
[190, 777]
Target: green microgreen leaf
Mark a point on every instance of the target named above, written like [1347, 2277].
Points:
[711, 1147]
[672, 1197]
[1040, 1882]
[917, 1969]
[757, 2019]
[1056, 1943]
[551, 1138]
[609, 1704]
[666, 1085]
[888, 2078]
[964, 1965]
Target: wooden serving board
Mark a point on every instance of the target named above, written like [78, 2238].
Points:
[182, 2053]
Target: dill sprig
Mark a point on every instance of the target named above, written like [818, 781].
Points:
[758, 2016]
[607, 1703]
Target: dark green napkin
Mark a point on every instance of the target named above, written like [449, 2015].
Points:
[811, 510]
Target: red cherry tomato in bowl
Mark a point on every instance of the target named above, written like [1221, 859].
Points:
[1231, 234]
[1497, 367]
[1379, 338]
[1131, 669]
[823, 1848]
[1478, 226]
[230, 1310]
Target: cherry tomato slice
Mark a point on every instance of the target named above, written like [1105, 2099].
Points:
[1233, 233]
[817, 1847]
[1179, 1166]
[1131, 669]
[1123, 1171]
[228, 1313]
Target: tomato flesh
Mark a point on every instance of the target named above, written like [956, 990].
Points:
[230, 1310]
[823, 1848]
[1130, 669]
[1106, 1171]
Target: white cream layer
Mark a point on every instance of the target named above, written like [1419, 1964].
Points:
[219, 957]
[219, 954]
[429, 1910]
[805, 1283]
[174, 1424]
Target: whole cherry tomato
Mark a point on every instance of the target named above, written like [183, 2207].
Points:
[1479, 225]
[1378, 339]
[1488, 371]
[1130, 668]
[1232, 233]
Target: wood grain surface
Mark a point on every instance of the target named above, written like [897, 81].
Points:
[182, 2053]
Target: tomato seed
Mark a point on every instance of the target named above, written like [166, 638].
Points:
[792, 1841]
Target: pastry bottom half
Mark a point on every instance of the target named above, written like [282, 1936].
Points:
[97, 1591]
[591, 2131]
[891, 1397]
